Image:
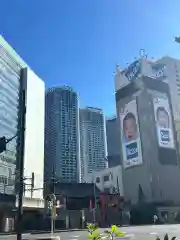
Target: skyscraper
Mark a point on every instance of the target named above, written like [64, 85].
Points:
[11, 78]
[61, 134]
[92, 141]
[15, 73]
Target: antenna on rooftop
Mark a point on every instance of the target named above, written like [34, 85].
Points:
[142, 53]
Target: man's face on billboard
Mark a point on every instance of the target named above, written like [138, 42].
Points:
[130, 129]
[163, 119]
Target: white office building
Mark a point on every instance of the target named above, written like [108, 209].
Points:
[93, 146]
[34, 134]
[165, 69]
[10, 74]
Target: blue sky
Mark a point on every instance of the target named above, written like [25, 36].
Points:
[78, 42]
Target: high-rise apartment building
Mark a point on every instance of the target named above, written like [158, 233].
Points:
[61, 135]
[92, 141]
[113, 142]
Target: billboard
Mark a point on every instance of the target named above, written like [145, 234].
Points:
[133, 71]
[163, 121]
[128, 75]
[141, 67]
[158, 71]
[130, 137]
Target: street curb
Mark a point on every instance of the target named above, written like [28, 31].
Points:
[42, 232]
[57, 231]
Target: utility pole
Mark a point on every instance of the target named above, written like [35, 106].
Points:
[20, 151]
[94, 209]
[53, 214]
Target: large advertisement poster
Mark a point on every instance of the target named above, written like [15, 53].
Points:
[163, 121]
[130, 137]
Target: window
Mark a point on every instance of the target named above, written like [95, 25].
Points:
[106, 190]
[106, 178]
[97, 179]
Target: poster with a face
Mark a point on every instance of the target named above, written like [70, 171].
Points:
[130, 137]
[163, 121]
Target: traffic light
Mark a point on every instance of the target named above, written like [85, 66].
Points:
[2, 144]
[48, 198]
[48, 206]
[32, 180]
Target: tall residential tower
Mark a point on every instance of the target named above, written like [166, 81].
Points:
[61, 134]
[92, 141]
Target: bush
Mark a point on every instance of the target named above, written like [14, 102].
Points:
[94, 234]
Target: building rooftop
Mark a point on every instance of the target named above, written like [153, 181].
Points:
[12, 52]
[76, 189]
[93, 109]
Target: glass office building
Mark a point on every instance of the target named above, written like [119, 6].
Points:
[9, 103]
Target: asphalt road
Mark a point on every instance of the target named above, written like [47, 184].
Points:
[138, 232]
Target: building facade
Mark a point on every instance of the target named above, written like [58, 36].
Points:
[113, 142]
[165, 69]
[10, 72]
[10, 76]
[148, 142]
[172, 71]
[34, 135]
[93, 145]
[61, 135]
[11, 79]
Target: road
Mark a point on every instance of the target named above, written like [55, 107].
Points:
[137, 232]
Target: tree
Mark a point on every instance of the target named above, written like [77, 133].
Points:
[177, 39]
